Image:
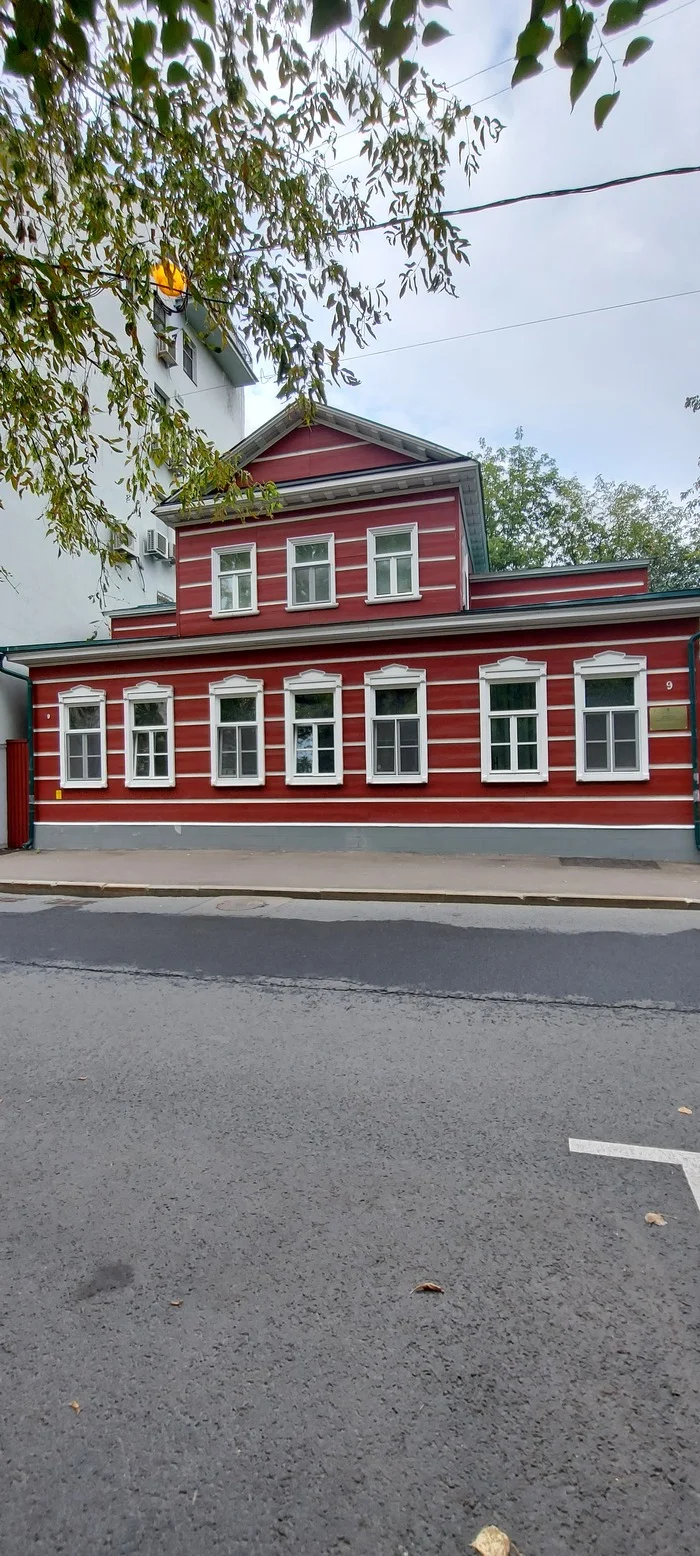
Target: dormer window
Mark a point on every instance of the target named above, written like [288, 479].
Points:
[310, 572]
[392, 563]
[234, 581]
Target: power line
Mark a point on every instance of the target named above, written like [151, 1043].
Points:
[522, 324]
[541, 194]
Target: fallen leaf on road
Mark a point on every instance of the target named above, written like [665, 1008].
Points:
[429, 1285]
[75, 1406]
[491, 1541]
[688, 1111]
[176, 1302]
[82, 1077]
[653, 1218]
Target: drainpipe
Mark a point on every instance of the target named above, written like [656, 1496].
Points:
[692, 688]
[26, 679]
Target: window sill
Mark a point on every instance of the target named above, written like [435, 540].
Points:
[514, 777]
[253, 610]
[83, 783]
[390, 599]
[150, 783]
[313, 780]
[401, 778]
[612, 777]
[314, 605]
[237, 783]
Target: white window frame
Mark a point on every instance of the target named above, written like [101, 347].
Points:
[391, 529]
[193, 356]
[216, 574]
[237, 686]
[310, 540]
[313, 681]
[507, 670]
[609, 664]
[402, 678]
[81, 697]
[148, 691]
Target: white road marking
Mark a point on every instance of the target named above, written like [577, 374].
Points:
[688, 1160]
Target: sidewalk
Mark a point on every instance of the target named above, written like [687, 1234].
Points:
[358, 877]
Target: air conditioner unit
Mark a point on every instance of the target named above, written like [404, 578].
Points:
[165, 348]
[156, 544]
[171, 551]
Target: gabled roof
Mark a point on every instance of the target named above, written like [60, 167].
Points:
[340, 421]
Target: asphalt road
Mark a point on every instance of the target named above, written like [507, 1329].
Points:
[282, 1117]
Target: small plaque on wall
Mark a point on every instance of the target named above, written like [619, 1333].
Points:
[675, 716]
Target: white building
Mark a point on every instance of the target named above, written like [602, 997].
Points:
[53, 597]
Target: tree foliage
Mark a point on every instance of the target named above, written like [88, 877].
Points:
[537, 517]
[202, 141]
[138, 131]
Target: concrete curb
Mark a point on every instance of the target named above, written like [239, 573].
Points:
[347, 894]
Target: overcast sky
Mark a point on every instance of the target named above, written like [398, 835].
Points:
[604, 393]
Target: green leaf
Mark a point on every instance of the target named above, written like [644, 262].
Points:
[75, 38]
[143, 40]
[534, 39]
[407, 70]
[636, 49]
[327, 15]
[161, 103]
[434, 33]
[34, 23]
[85, 10]
[18, 60]
[621, 14]
[205, 10]
[175, 36]
[524, 69]
[178, 75]
[143, 75]
[205, 55]
[603, 107]
[581, 75]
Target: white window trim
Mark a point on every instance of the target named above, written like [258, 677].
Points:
[218, 551]
[514, 669]
[313, 681]
[237, 686]
[149, 691]
[80, 697]
[311, 540]
[612, 664]
[391, 529]
[386, 678]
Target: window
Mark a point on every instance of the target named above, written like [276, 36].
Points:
[392, 563]
[189, 357]
[150, 754]
[314, 720]
[82, 733]
[234, 581]
[162, 399]
[610, 696]
[310, 572]
[161, 316]
[513, 703]
[395, 723]
[237, 732]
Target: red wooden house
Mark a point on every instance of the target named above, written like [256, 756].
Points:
[347, 673]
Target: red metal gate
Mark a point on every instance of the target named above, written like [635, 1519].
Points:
[17, 793]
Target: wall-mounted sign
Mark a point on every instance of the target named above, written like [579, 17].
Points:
[674, 716]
